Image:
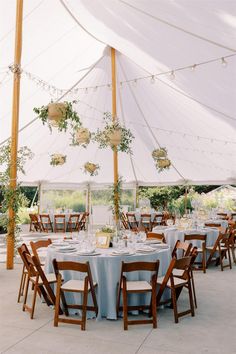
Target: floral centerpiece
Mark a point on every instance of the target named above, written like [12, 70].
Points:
[58, 114]
[91, 168]
[114, 135]
[106, 231]
[57, 159]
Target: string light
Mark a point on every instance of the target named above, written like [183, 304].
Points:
[172, 75]
[224, 62]
[152, 79]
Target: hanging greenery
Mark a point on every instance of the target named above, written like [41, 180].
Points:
[58, 114]
[57, 159]
[114, 135]
[91, 168]
[81, 136]
[12, 198]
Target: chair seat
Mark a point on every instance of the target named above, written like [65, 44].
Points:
[178, 272]
[51, 278]
[223, 248]
[141, 285]
[75, 285]
[177, 281]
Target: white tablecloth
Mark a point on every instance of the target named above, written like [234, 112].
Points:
[173, 234]
[105, 270]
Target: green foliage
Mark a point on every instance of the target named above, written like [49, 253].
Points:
[13, 198]
[160, 197]
[102, 136]
[69, 116]
[67, 199]
[115, 200]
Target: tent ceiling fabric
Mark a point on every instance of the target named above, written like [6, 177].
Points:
[193, 116]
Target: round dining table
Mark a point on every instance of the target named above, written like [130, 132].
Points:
[172, 234]
[106, 269]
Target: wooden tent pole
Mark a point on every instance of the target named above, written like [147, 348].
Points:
[185, 199]
[114, 118]
[16, 69]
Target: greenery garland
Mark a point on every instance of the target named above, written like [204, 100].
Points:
[12, 198]
[116, 190]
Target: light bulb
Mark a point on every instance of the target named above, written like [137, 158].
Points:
[193, 67]
[223, 62]
[172, 75]
[152, 80]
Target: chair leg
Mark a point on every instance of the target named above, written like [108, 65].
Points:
[118, 301]
[85, 300]
[193, 288]
[204, 260]
[26, 292]
[154, 308]
[22, 284]
[230, 262]
[125, 309]
[57, 304]
[174, 302]
[34, 301]
[63, 300]
[191, 298]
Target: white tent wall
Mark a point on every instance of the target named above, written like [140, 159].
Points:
[193, 116]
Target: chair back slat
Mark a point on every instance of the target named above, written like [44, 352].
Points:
[140, 266]
[68, 265]
[191, 237]
[184, 246]
[39, 244]
[157, 236]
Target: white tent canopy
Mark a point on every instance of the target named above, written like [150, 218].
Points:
[193, 116]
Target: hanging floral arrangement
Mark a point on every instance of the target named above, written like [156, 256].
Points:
[58, 114]
[81, 136]
[91, 168]
[57, 159]
[163, 164]
[161, 159]
[159, 153]
[114, 135]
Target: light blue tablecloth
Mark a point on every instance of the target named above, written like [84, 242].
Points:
[173, 234]
[105, 270]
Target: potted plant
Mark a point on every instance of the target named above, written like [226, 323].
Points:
[58, 114]
[159, 153]
[114, 135]
[81, 136]
[91, 168]
[57, 159]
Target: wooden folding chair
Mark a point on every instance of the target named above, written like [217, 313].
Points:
[232, 243]
[157, 236]
[176, 285]
[35, 224]
[84, 287]
[59, 223]
[222, 216]
[145, 221]
[221, 250]
[35, 246]
[46, 222]
[132, 222]
[24, 273]
[201, 265]
[159, 219]
[124, 221]
[180, 273]
[139, 287]
[73, 222]
[40, 282]
[184, 247]
[83, 221]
